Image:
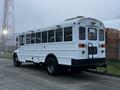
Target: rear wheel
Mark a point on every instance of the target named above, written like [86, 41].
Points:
[16, 61]
[52, 66]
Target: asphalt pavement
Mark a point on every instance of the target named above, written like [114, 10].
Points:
[31, 77]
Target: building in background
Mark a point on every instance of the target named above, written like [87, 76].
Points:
[113, 44]
[113, 39]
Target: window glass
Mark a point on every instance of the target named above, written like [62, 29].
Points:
[38, 37]
[101, 35]
[44, 37]
[21, 40]
[59, 35]
[51, 36]
[68, 34]
[92, 34]
[82, 33]
[32, 38]
[28, 39]
[17, 41]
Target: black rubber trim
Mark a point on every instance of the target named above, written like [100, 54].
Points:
[89, 62]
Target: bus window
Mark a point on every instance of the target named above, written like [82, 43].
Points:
[38, 37]
[101, 35]
[68, 34]
[21, 40]
[33, 38]
[28, 39]
[51, 36]
[59, 35]
[92, 34]
[17, 40]
[44, 37]
[82, 33]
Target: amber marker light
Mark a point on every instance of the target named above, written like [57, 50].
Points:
[81, 45]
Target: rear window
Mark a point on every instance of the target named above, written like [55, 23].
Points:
[82, 33]
[92, 34]
[101, 35]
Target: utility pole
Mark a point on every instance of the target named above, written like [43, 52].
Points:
[8, 26]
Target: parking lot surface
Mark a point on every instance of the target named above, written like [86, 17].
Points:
[31, 77]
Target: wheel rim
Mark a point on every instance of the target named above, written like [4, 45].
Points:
[51, 67]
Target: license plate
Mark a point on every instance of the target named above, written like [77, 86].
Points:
[92, 50]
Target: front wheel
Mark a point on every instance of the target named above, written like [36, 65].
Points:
[16, 62]
[52, 66]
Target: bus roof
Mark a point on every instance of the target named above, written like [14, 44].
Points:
[67, 21]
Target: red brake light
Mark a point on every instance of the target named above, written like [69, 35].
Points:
[103, 45]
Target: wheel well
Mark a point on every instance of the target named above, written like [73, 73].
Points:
[15, 54]
[50, 55]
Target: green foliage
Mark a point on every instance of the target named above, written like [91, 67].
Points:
[7, 55]
[113, 67]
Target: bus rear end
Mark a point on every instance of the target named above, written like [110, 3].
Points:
[91, 50]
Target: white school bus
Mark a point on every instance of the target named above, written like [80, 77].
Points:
[77, 43]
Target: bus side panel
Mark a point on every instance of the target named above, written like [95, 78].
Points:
[38, 53]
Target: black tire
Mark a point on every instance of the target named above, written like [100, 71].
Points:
[16, 62]
[52, 66]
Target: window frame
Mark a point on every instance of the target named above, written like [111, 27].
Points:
[29, 38]
[71, 38]
[46, 36]
[22, 42]
[32, 38]
[92, 37]
[40, 36]
[49, 32]
[100, 36]
[56, 35]
[84, 33]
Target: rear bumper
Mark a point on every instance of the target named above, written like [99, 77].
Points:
[98, 62]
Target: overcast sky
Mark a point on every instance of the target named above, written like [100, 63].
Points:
[33, 14]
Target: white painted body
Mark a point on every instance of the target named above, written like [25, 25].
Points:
[64, 51]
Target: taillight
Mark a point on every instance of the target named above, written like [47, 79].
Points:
[81, 45]
[102, 45]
